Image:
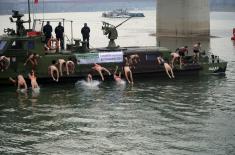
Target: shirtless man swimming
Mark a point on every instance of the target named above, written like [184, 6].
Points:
[21, 83]
[134, 59]
[174, 56]
[167, 67]
[33, 79]
[116, 77]
[62, 65]
[70, 66]
[33, 59]
[53, 70]
[127, 71]
[89, 78]
[4, 63]
[99, 69]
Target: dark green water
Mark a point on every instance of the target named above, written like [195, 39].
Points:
[182, 116]
[187, 115]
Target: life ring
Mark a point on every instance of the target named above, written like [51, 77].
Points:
[53, 44]
[4, 63]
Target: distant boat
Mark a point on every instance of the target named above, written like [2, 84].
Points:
[121, 13]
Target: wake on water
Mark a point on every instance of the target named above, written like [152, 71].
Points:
[90, 85]
[34, 90]
[121, 82]
[95, 84]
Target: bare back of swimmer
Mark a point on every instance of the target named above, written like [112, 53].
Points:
[33, 79]
[21, 83]
[70, 67]
[62, 66]
[99, 69]
[32, 59]
[127, 71]
[4, 63]
[167, 67]
[174, 56]
[52, 71]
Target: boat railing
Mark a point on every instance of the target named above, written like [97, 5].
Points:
[39, 23]
[213, 58]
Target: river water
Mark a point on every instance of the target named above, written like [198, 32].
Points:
[187, 115]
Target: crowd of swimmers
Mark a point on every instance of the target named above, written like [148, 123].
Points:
[57, 68]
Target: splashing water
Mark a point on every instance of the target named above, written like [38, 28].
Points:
[88, 85]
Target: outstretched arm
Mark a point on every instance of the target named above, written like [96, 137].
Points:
[57, 73]
[52, 74]
[106, 70]
[26, 61]
[12, 80]
[115, 72]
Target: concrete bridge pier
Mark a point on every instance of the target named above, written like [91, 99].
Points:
[183, 18]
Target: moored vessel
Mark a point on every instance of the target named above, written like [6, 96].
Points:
[17, 45]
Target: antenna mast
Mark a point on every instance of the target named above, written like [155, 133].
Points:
[29, 14]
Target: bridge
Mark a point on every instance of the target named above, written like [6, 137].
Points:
[183, 18]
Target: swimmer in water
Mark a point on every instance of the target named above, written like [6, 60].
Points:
[52, 69]
[21, 83]
[33, 79]
[99, 69]
[167, 67]
[32, 59]
[127, 71]
[70, 66]
[4, 63]
[89, 78]
[62, 65]
[116, 77]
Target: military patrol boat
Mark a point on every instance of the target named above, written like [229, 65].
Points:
[17, 46]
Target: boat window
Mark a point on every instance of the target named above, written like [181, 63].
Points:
[31, 44]
[2, 44]
[151, 57]
[16, 45]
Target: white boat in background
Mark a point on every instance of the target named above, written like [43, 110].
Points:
[121, 13]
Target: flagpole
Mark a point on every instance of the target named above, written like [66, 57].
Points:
[29, 14]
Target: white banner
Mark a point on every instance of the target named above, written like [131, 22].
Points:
[104, 57]
[111, 57]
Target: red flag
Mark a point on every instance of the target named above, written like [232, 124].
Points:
[35, 1]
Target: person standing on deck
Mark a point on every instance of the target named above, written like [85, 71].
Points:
[47, 30]
[59, 31]
[182, 51]
[174, 56]
[85, 34]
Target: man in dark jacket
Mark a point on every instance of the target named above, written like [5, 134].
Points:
[86, 33]
[47, 29]
[59, 31]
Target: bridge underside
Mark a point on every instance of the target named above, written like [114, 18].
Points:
[183, 18]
